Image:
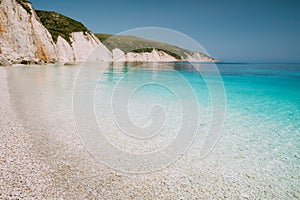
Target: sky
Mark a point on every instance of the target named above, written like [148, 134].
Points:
[231, 30]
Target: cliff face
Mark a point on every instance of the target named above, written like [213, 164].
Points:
[25, 40]
[82, 44]
[153, 56]
[74, 42]
[131, 49]
[28, 36]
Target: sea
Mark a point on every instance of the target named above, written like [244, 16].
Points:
[240, 121]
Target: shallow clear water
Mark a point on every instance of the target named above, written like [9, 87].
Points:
[260, 137]
[263, 99]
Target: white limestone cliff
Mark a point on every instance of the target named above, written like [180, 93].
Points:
[65, 52]
[196, 57]
[84, 44]
[118, 55]
[154, 56]
[25, 40]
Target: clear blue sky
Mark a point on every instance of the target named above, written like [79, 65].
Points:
[230, 30]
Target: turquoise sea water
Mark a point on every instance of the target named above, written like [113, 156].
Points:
[266, 92]
[260, 137]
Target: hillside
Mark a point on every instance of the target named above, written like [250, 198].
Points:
[60, 25]
[30, 36]
[139, 45]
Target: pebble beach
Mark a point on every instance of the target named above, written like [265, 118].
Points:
[39, 160]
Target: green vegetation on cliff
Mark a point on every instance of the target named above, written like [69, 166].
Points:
[138, 45]
[24, 4]
[60, 25]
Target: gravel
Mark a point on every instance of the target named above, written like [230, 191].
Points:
[38, 161]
